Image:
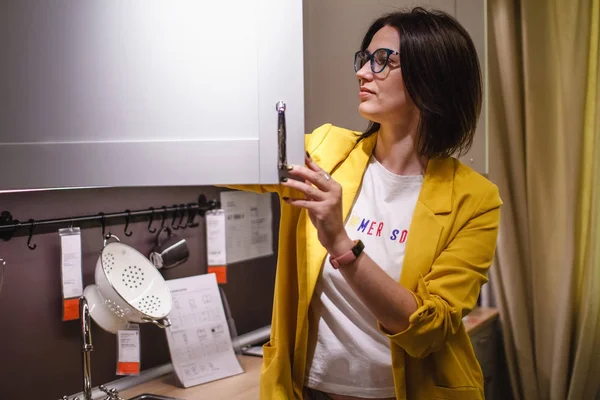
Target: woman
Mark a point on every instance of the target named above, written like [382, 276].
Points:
[385, 239]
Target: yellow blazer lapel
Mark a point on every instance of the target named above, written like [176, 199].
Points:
[349, 173]
[347, 169]
[435, 198]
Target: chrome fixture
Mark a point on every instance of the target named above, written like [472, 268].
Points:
[86, 350]
[87, 347]
[281, 135]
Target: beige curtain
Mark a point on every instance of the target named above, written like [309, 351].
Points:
[544, 125]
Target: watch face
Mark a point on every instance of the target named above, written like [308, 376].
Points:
[358, 248]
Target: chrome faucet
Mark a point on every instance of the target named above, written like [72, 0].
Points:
[87, 347]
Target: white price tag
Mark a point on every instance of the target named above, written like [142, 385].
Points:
[70, 263]
[128, 348]
[216, 248]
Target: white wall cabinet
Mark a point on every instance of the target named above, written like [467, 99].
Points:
[333, 30]
[148, 93]
[181, 92]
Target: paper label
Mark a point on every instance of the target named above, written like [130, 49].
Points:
[248, 225]
[72, 282]
[128, 348]
[216, 248]
[215, 237]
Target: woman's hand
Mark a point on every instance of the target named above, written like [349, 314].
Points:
[323, 201]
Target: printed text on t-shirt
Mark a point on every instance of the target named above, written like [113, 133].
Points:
[375, 228]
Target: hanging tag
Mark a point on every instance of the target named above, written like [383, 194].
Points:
[216, 244]
[72, 281]
[128, 349]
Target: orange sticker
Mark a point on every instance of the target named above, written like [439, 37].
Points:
[128, 368]
[220, 271]
[70, 309]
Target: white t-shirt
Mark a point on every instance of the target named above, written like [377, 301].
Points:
[352, 357]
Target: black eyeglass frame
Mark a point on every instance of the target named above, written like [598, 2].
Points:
[370, 58]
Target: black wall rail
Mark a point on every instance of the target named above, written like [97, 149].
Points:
[177, 216]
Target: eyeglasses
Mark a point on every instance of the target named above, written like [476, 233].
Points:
[378, 59]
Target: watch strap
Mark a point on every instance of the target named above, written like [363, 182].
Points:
[348, 256]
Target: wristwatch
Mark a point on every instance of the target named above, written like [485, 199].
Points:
[349, 256]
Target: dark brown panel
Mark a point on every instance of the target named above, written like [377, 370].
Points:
[40, 355]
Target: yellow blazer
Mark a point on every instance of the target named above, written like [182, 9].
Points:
[449, 249]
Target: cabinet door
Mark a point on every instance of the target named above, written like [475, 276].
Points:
[147, 93]
[485, 344]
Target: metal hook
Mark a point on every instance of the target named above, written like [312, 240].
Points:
[202, 203]
[189, 210]
[150, 229]
[127, 223]
[183, 211]
[162, 224]
[31, 227]
[192, 217]
[103, 226]
[175, 213]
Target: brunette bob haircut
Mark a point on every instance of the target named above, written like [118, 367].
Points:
[441, 74]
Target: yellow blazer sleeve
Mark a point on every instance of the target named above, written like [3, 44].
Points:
[254, 188]
[451, 288]
[311, 142]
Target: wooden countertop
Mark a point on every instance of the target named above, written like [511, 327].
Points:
[479, 318]
[237, 387]
[246, 385]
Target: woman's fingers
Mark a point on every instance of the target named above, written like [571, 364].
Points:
[299, 202]
[319, 178]
[310, 191]
[311, 164]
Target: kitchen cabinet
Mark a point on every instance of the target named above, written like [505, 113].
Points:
[482, 326]
[485, 344]
[333, 32]
[148, 93]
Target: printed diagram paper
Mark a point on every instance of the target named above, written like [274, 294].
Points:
[199, 338]
[248, 225]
